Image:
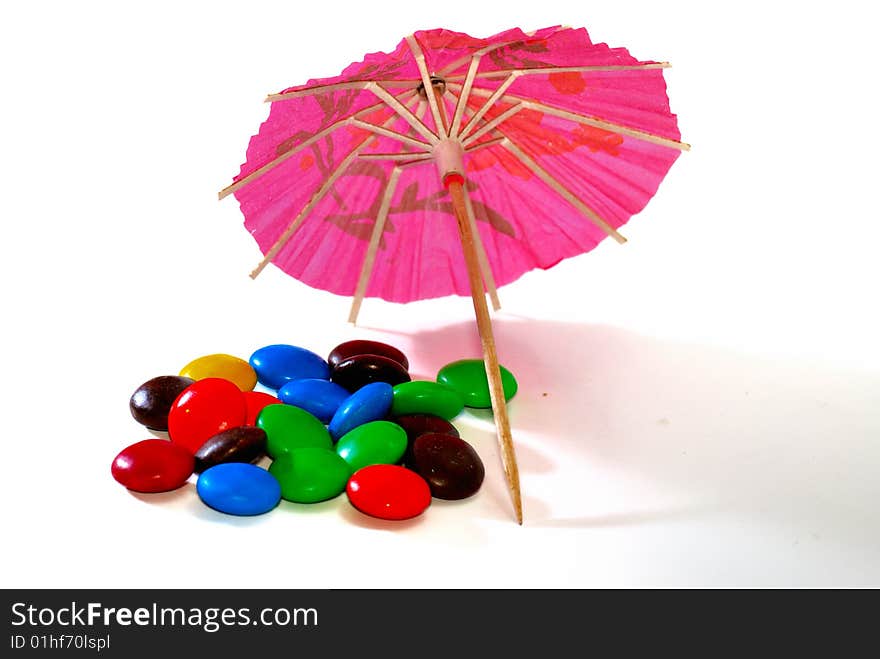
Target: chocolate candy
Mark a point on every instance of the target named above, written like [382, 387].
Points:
[369, 403]
[152, 465]
[416, 425]
[203, 409]
[222, 366]
[388, 492]
[318, 397]
[376, 442]
[151, 402]
[450, 465]
[238, 488]
[288, 428]
[423, 397]
[309, 475]
[468, 377]
[351, 348]
[355, 372]
[278, 364]
[242, 444]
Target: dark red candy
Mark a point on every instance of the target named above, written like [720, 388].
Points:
[417, 425]
[203, 409]
[449, 464]
[388, 492]
[153, 465]
[242, 444]
[353, 348]
[355, 372]
[255, 401]
[151, 402]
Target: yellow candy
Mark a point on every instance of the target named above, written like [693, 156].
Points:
[227, 367]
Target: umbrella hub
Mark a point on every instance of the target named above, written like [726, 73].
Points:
[449, 157]
[437, 83]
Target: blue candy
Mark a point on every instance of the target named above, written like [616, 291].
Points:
[239, 488]
[319, 397]
[280, 363]
[369, 403]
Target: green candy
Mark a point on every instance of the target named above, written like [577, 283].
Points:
[289, 428]
[468, 377]
[376, 442]
[309, 475]
[424, 397]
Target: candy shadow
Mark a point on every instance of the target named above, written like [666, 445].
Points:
[205, 513]
[318, 508]
[353, 516]
[613, 520]
[713, 430]
[166, 498]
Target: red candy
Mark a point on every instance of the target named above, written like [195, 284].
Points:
[204, 409]
[256, 401]
[153, 465]
[388, 492]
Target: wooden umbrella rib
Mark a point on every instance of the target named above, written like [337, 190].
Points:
[490, 101]
[373, 247]
[394, 135]
[461, 102]
[397, 157]
[337, 86]
[452, 66]
[576, 117]
[314, 201]
[228, 190]
[500, 73]
[501, 118]
[394, 103]
[419, 57]
[561, 190]
[484, 145]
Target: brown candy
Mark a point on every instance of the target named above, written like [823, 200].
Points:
[355, 372]
[360, 347]
[417, 425]
[151, 402]
[241, 444]
[449, 464]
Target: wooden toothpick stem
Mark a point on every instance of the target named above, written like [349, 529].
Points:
[490, 356]
[487, 337]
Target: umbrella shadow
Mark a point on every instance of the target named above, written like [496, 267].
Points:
[719, 432]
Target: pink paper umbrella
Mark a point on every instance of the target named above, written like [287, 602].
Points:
[453, 165]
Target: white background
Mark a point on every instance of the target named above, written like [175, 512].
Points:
[697, 408]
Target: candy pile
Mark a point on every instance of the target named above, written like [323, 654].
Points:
[355, 423]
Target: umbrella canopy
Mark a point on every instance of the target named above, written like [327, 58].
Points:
[564, 141]
[454, 163]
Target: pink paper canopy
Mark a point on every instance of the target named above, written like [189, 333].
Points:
[575, 135]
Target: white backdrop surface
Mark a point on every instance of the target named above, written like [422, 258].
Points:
[697, 408]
